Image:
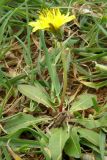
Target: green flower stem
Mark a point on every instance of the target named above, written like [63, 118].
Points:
[51, 68]
[64, 63]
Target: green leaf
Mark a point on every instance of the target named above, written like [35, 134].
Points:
[57, 141]
[6, 153]
[84, 101]
[21, 120]
[16, 142]
[103, 120]
[89, 135]
[95, 85]
[72, 147]
[3, 2]
[90, 145]
[102, 143]
[88, 123]
[36, 93]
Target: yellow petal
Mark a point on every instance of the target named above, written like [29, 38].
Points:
[32, 24]
[35, 29]
[70, 18]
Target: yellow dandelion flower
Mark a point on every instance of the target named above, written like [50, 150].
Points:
[50, 19]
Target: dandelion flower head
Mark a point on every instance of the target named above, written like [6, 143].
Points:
[50, 19]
